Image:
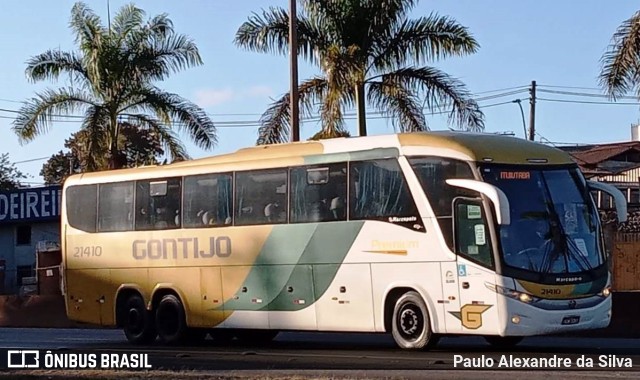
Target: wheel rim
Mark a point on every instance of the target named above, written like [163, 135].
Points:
[410, 322]
[135, 321]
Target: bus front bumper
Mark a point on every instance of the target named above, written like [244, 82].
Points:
[526, 320]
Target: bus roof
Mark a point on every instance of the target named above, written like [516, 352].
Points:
[472, 146]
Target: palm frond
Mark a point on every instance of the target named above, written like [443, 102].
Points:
[176, 111]
[385, 14]
[394, 100]
[621, 62]
[52, 63]
[274, 122]
[128, 19]
[154, 56]
[160, 25]
[422, 40]
[86, 25]
[440, 91]
[275, 127]
[90, 36]
[269, 33]
[36, 115]
[175, 52]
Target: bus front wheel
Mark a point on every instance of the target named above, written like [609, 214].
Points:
[137, 322]
[170, 320]
[410, 324]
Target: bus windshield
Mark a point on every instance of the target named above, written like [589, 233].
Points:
[554, 227]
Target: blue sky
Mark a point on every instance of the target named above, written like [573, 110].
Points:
[556, 43]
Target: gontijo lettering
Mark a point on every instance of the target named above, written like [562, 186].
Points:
[182, 248]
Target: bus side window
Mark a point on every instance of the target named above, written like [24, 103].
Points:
[318, 193]
[378, 191]
[207, 200]
[158, 204]
[432, 172]
[115, 207]
[261, 197]
[83, 214]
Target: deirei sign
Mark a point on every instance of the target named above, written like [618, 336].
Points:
[30, 205]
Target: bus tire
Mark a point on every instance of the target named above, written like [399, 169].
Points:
[137, 321]
[171, 321]
[503, 342]
[410, 323]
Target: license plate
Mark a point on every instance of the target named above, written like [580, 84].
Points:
[572, 320]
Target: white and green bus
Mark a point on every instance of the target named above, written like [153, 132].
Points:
[419, 235]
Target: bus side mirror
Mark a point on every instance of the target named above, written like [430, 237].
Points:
[497, 196]
[618, 198]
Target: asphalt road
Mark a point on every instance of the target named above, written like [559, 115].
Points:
[324, 351]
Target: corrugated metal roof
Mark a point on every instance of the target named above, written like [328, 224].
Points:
[602, 152]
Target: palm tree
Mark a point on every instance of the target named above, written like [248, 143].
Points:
[621, 62]
[368, 51]
[112, 82]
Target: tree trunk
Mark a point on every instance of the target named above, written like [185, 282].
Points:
[362, 117]
[113, 146]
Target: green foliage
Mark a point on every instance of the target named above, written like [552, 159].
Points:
[368, 51]
[620, 71]
[10, 176]
[112, 78]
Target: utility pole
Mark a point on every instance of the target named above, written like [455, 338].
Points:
[532, 112]
[293, 56]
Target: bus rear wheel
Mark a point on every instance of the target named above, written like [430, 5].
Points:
[503, 342]
[138, 324]
[171, 321]
[410, 324]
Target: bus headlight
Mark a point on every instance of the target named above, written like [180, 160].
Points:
[524, 297]
[606, 292]
[520, 296]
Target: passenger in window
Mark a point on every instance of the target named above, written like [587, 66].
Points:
[337, 209]
[207, 218]
[272, 212]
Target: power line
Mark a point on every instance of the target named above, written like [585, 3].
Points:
[585, 94]
[31, 160]
[571, 87]
[502, 89]
[588, 102]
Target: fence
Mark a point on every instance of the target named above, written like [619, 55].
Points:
[625, 257]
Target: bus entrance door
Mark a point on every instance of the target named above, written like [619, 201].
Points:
[478, 312]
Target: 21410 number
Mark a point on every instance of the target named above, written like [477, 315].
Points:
[89, 251]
